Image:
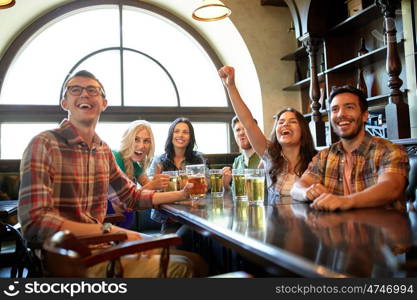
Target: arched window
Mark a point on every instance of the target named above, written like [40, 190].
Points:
[153, 66]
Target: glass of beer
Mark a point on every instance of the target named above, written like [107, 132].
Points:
[173, 183]
[216, 182]
[197, 176]
[255, 185]
[182, 179]
[239, 190]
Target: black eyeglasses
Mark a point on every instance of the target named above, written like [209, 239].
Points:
[76, 90]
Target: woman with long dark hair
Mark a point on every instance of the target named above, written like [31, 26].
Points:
[290, 148]
[179, 152]
[179, 149]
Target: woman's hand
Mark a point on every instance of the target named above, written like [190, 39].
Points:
[158, 182]
[227, 74]
[186, 191]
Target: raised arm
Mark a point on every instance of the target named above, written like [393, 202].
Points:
[254, 133]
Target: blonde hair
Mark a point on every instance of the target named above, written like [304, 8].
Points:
[126, 145]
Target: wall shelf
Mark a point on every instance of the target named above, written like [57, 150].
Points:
[341, 37]
[363, 60]
[297, 54]
[308, 115]
[356, 21]
[377, 109]
[359, 61]
[378, 98]
[299, 85]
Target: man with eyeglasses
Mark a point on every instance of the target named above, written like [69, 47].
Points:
[65, 177]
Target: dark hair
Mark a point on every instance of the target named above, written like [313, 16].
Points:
[82, 73]
[307, 150]
[351, 90]
[235, 119]
[169, 146]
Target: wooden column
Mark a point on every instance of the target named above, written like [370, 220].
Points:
[396, 111]
[317, 126]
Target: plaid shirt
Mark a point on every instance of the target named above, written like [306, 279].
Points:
[285, 179]
[62, 178]
[374, 157]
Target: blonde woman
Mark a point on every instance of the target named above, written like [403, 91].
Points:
[136, 151]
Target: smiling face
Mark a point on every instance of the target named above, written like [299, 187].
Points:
[141, 145]
[83, 110]
[288, 129]
[347, 118]
[181, 136]
[240, 136]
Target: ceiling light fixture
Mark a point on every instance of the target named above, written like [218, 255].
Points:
[6, 3]
[211, 10]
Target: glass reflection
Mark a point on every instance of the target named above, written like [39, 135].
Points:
[257, 222]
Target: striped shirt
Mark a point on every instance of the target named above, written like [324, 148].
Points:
[373, 157]
[62, 178]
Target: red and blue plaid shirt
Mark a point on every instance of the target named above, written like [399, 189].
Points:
[62, 178]
[373, 157]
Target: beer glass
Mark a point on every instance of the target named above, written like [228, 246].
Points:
[197, 176]
[216, 182]
[182, 179]
[173, 181]
[255, 185]
[239, 190]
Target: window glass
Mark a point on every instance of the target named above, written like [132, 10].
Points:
[210, 137]
[159, 57]
[146, 83]
[45, 61]
[106, 67]
[16, 136]
[193, 71]
[111, 133]
[168, 51]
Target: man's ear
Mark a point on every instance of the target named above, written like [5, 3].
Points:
[64, 104]
[365, 116]
[105, 104]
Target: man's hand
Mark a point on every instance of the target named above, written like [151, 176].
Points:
[227, 177]
[131, 235]
[332, 202]
[314, 191]
[227, 74]
[134, 236]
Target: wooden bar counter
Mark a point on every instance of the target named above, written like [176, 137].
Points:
[289, 235]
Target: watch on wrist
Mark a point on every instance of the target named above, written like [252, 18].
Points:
[106, 227]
